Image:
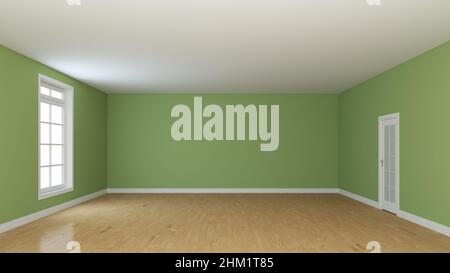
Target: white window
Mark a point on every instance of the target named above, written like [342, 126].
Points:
[55, 137]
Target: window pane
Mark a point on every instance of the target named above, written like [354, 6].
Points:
[56, 94]
[45, 133]
[57, 154]
[392, 193]
[57, 134]
[57, 178]
[45, 112]
[45, 91]
[45, 177]
[57, 114]
[387, 194]
[45, 155]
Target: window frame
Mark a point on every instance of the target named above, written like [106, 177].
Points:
[67, 141]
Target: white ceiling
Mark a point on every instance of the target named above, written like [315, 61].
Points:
[276, 46]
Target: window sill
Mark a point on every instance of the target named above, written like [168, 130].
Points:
[54, 193]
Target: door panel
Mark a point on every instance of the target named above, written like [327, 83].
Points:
[389, 162]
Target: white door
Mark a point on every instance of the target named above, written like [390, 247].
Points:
[389, 169]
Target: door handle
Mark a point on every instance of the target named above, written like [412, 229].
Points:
[382, 163]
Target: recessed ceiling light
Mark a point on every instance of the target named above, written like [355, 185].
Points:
[73, 2]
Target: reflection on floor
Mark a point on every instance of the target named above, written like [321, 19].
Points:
[222, 223]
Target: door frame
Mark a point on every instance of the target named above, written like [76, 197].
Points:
[395, 116]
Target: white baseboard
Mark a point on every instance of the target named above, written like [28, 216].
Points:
[46, 212]
[360, 198]
[402, 214]
[222, 190]
[43, 213]
[425, 222]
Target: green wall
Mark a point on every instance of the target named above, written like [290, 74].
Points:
[420, 91]
[142, 153]
[19, 137]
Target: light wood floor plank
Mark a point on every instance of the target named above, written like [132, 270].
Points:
[222, 223]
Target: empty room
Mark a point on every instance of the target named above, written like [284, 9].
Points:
[225, 126]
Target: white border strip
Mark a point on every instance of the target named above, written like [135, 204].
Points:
[43, 213]
[222, 190]
[46, 212]
[424, 222]
[402, 214]
[360, 198]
